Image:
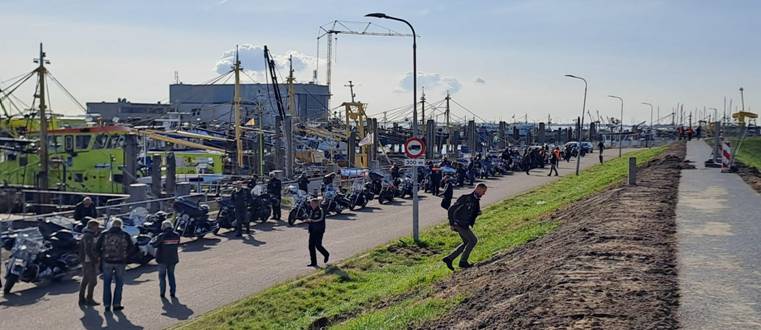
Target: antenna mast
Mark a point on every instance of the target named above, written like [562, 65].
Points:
[41, 71]
[238, 141]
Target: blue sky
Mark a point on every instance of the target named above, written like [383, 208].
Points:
[663, 52]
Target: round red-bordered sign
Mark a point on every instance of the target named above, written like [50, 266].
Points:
[414, 148]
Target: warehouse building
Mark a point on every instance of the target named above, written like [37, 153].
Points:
[214, 103]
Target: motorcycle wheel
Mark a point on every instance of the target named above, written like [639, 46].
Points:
[145, 259]
[10, 281]
[292, 217]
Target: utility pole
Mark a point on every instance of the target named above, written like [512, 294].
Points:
[422, 110]
[449, 128]
[291, 89]
[238, 141]
[351, 90]
[43, 176]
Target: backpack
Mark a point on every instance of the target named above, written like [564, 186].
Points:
[115, 246]
[460, 211]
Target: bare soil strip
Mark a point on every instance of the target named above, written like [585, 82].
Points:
[611, 264]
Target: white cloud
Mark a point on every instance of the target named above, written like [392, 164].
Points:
[480, 81]
[252, 59]
[431, 81]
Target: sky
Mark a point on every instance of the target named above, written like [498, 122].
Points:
[499, 59]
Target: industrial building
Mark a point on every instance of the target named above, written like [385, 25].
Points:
[126, 111]
[214, 103]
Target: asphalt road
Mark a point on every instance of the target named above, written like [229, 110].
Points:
[222, 269]
[719, 257]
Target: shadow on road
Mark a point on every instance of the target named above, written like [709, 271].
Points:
[201, 244]
[36, 293]
[175, 309]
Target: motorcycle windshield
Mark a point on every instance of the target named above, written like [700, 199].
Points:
[29, 242]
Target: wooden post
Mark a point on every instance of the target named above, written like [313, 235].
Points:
[632, 171]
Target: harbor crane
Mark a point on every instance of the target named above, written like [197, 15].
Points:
[332, 29]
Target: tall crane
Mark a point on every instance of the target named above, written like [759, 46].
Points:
[336, 27]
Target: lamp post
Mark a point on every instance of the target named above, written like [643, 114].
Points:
[415, 200]
[621, 129]
[581, 123]
[651, 123]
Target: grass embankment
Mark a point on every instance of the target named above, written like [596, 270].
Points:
[750, 152]
[389, 286]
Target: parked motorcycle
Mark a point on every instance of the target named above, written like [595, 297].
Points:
[152, 224]
[333, 201]
[261, 203]
[192, 218]
[357, 196]
[387, 192]
[404, 186]
[226, 217]
[300, 208]
[34, 258]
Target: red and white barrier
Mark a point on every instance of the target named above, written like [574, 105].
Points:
[726, 156]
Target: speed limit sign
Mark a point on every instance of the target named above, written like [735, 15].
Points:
[414, 147]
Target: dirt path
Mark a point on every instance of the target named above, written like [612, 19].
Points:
[611, 265]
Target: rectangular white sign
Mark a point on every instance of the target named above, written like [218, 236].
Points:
[414, 162]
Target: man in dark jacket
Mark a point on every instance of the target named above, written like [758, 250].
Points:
[316, 223]
[89, 258]
[304, 183]
[462, 216]
[275, 189]
[394, 172]
[601, 146]
[84, 210]
[446, 200]
[166, 245]
[240, 199]
[113, 247]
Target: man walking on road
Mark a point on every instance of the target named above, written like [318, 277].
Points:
[240, 199]
[166, 245]
[316, 223]
[275, 190]
[114, 246]
[601, 146]
[89, 258]
[554, 160]
[462, 216]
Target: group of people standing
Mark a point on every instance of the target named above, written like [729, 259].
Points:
[108, 251]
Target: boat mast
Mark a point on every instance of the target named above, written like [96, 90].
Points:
[42, 182]
[238, 141]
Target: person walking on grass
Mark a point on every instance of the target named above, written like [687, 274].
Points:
[113, 247]
[90, 262]
[316, 229]
[462, 216]
[554, 161]
[166, 245]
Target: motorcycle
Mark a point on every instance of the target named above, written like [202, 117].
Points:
[226, 217]
[333, 201]
[192, 219]
[358, 196]
[404, 186]
[152, 224]
[261, 203]
[34, 258]
[300, 210]
[387, 192]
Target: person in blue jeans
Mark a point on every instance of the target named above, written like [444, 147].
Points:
[113, 247]
[166, 245]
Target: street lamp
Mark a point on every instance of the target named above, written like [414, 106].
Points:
[621, 129]
[415, 200]
[581, 123]
[651, 123]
